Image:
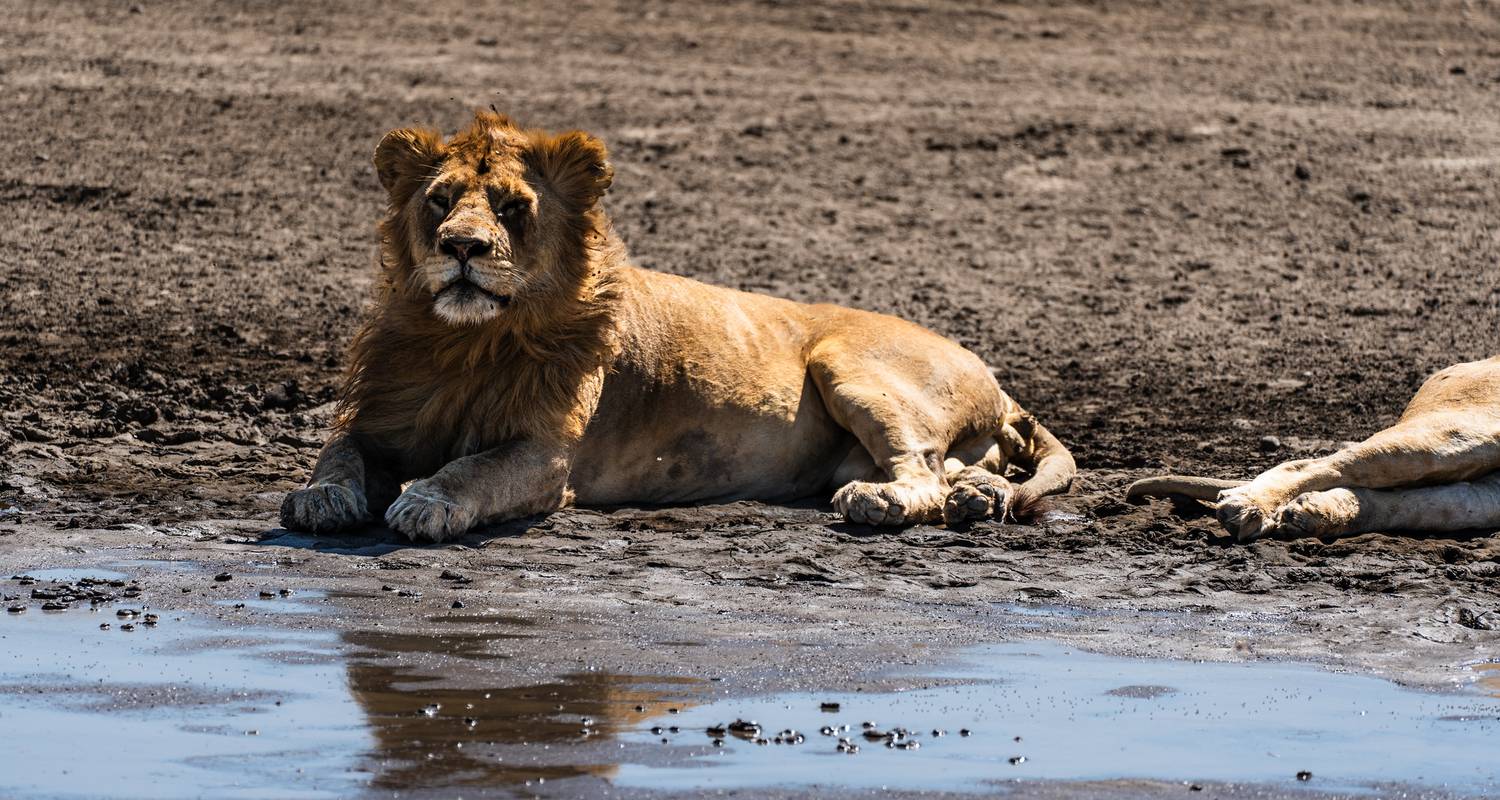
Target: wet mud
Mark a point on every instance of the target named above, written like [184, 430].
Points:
[1190, 238]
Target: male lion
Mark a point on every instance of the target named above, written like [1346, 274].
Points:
[1436, 469]
[516, 362]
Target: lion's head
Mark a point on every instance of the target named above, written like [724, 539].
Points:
[493, 223]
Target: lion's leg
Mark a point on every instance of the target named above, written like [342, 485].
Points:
[509, 481]
[1346, 512]
[348, 488]
[889, 426]
[1431, 449]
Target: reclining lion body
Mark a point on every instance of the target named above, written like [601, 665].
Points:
[1436, 469]
[514, 367]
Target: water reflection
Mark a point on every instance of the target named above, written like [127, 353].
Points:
[433, 727]
[1489, 678]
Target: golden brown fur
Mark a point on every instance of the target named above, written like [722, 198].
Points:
[1436, 469]
[516, 362]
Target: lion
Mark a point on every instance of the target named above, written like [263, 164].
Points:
[515, 362]
[1437, 469]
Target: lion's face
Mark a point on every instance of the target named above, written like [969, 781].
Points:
[490, 219]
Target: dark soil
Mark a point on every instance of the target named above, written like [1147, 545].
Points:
[1173, 228]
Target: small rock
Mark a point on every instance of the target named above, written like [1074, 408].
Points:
[16, 609]
[1268, 444]
[828, 707]
[457, 604]
[1301, 172]
[223, 576]
[1304, 775]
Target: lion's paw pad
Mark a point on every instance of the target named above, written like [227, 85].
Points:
[426, 512]
[977, 497]
[324, 509]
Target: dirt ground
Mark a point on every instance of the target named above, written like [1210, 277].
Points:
[1173, 228]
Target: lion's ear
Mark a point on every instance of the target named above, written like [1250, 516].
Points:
[575, 165]
[405, 155]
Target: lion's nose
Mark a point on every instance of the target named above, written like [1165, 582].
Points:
[463, 248]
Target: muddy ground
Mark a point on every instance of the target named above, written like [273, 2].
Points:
[1175, 229]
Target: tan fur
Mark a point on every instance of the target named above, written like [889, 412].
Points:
[1436, 469]
[516, 362]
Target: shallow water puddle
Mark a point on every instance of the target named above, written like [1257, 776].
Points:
[198, 705]
[175, 709]
[1040, 711]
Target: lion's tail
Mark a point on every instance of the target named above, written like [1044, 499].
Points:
[1052, 468]
[1189, 486]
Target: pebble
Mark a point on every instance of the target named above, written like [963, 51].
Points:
[223, 576]
[127, 627]
[1017, 759]
[1268, 444]
[16, 609]
[963, 731]
[53, 605]
[828, 706]
[457, 604]
[267, 595]
[1304, 775]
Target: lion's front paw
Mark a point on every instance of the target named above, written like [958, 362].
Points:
[1330, 513]
[1242, 516]
[324, 508]
[977, 496]
[425, 511]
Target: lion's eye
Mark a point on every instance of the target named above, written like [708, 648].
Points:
[513, 211]
[438, 203]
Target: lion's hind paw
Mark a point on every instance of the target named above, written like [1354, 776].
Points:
[977, 494]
